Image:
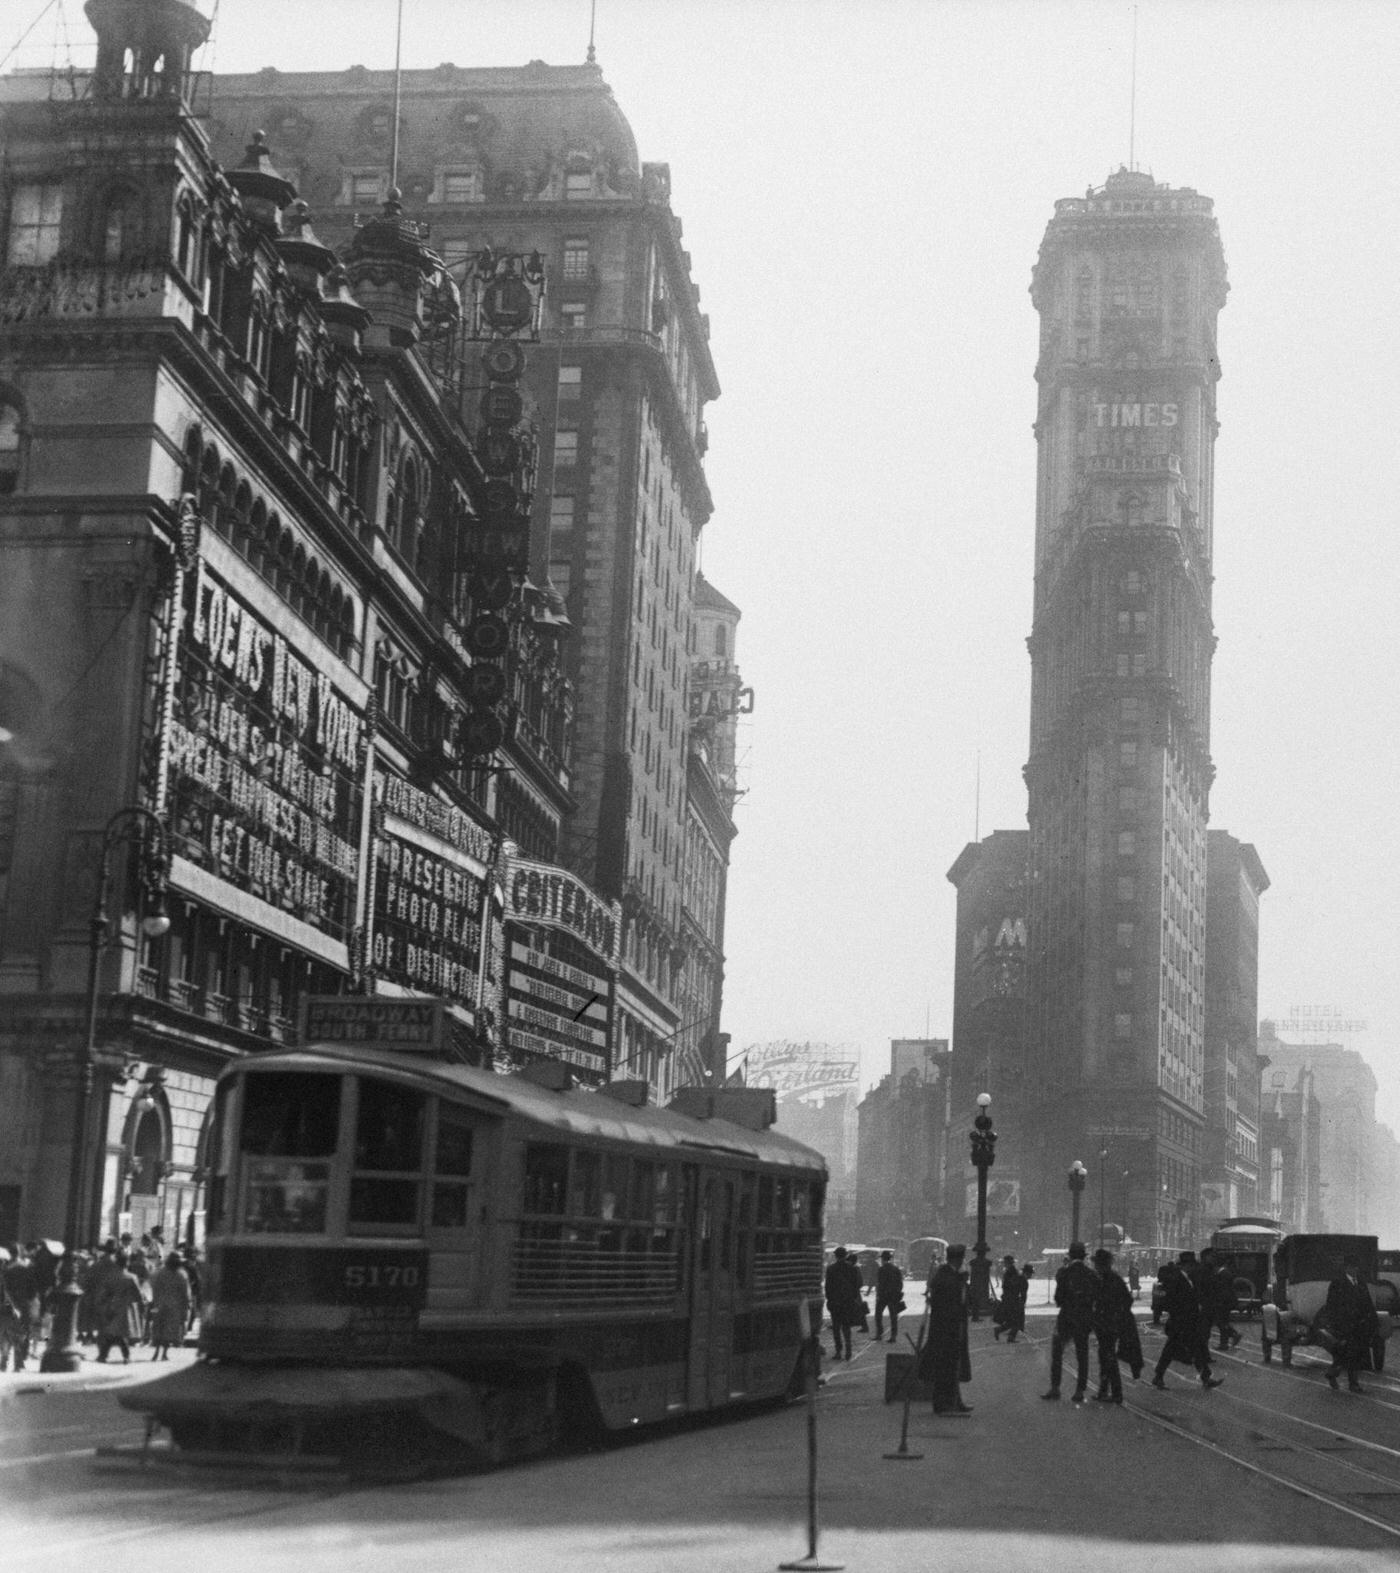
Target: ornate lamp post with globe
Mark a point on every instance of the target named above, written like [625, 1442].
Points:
[984, 1144]
[1078, 1174]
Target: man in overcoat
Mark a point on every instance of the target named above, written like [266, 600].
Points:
[1114, 1327]
[889, 1295]
[1351, 1317]
[1188, 1328]
[944, 1360]
[844, 1303]
[1076, 1289]
[1011, 1313]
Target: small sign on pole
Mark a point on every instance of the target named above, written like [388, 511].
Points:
[810, 1563]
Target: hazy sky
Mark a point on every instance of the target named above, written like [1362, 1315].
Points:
[864, 186]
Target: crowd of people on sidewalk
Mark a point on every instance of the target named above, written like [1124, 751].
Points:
[133, 1293]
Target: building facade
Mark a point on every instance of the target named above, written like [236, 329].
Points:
[1290, 1144]
[901, 1145]
[1230, 1173]
[283, 714]
[541, 160]
[1128, 284]
[1344, 1086]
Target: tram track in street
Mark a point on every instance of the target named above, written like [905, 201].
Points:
[1271, 1437]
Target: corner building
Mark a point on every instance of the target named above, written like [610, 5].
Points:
[1128, 286]
[541, 159]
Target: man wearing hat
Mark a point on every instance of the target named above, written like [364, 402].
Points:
[1076, 1289]
[1188, 1330]
[944, 1360]
[889, 1294]
[1011, 1313]
[1113, 1326]
[844, 1304]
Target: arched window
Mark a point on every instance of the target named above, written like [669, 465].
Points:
[187, 239]
[257, 534]
[114, 233]
[11, 446]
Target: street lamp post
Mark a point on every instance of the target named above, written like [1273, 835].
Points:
[1078, 1174]
[1103, 1194]
[144, 828]
[984, 1144]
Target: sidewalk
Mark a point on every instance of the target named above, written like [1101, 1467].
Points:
[113, 1373]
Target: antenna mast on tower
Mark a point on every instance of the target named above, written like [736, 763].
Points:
[1132, 101]
[398, 98]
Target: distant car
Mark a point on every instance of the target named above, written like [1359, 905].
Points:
[1305, 1265]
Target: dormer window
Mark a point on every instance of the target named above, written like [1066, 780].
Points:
[460, 185]
[364, 187]
[578, 183]
[36, 216]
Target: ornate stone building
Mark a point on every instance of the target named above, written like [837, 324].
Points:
[282, 714]
[1128, 284]
[540, 159]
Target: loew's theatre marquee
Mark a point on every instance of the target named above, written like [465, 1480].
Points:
[562, 944]
[264, 752]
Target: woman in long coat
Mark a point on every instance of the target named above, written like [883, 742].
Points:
[121, 1312]
[170, 1306]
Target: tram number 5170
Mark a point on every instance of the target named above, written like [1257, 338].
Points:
[374, 1275]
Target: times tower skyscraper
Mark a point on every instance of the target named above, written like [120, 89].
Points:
[1128, 286]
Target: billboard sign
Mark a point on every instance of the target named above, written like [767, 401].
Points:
[809, 1071]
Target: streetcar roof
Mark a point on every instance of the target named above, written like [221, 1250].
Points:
[578, 1111]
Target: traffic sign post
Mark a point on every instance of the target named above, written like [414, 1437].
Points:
[810, 1563]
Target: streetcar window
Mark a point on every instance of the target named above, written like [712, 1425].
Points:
[585, 1199]
[292, 1116]
[454, 1158]
[286, 1197]
[546, 1178]
[614, 1186]
[765, 1201]
[386, 1184]
[643, 1190]
[454, 1144]
[389, 1130]
[664, 1211]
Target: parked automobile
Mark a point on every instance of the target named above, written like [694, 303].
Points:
[1304, 1266]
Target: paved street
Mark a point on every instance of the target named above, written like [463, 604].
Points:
[1175, 1480]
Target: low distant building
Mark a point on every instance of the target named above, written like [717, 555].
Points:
[1345, 1088]
[1290, 1140]
[902, 1144]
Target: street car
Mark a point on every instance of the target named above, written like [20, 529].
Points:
[1304, 1266]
